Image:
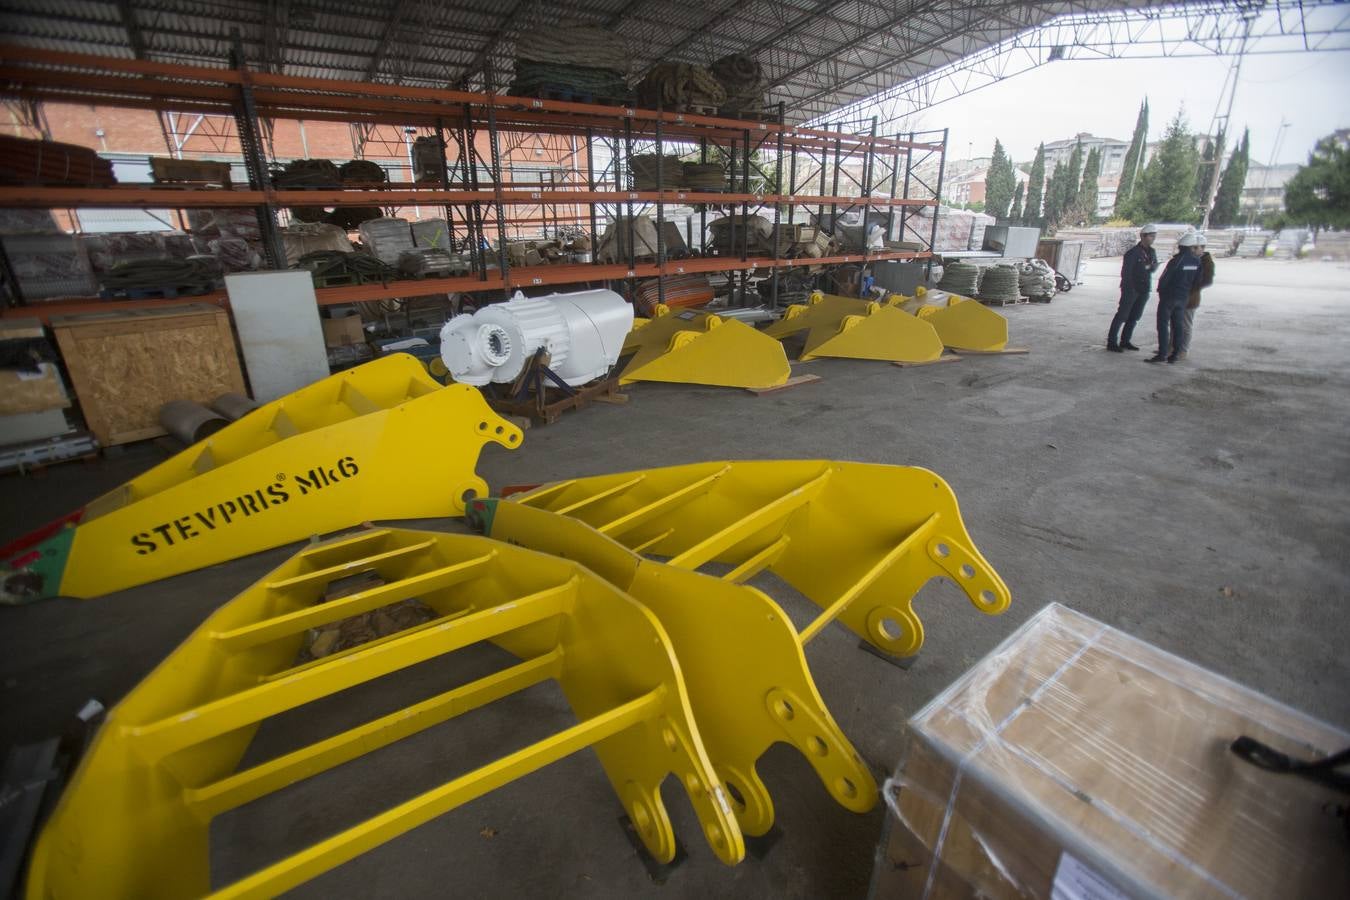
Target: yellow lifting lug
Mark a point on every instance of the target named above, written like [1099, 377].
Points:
[329, 456]
[693, 347]
[135, 819]
[849, 328]
[748, 680]
[960, 322]
[858, 539]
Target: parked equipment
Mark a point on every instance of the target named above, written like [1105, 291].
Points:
[690, 347]
[582, 333]
[323, 458]
[961, 323]
[859, 540]
[135, 819]
[850, 328]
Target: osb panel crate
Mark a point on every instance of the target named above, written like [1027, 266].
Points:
[1075, 761]
[125, 365]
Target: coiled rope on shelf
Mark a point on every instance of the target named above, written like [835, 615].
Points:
[362, 171]
[303, 173]
[365, 267]
[574, 45]
[960, 278]
[742, 77]
[193, 273]
[678, 86]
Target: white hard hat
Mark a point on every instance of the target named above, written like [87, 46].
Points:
[1190, 239]
[1200, 238]
[1149, 229]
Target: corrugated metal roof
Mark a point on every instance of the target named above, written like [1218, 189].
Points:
[820, 56]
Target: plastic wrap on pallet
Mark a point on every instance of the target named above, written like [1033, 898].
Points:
[48, 266]
[212, 223]
[235, 254]
[1077, 761]
[303, 237]
[576, 45]
[387, 238]
[28, 221]
[432, 233]
[957, 229]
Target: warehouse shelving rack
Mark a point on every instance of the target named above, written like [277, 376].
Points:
[878, 174]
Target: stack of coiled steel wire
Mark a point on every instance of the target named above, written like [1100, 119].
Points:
[1001, 284]
[960, 278]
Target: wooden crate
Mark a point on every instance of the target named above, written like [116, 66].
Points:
[166, 170]
[125, 365]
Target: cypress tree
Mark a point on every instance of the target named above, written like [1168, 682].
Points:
[1087, 191]
[1166, 192]
[1015, 214]
[1032, 210]
[1226, 202]
[998, 183]
[1132, 159]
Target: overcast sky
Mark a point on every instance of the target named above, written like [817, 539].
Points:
[1311, 91]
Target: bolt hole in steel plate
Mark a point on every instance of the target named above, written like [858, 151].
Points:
[942, 550]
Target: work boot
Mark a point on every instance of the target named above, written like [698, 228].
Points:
[1178, 357]
[1126, 345]
[1113, 347]
[1156, 358]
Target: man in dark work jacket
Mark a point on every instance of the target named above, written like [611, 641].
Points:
[1174, 291]
[1136, 277]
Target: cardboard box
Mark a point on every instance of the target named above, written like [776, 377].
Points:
[1076, 761]
[343, 332]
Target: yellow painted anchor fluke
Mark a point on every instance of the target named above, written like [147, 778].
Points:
[849, 328]
[742, 660]
[960, 323]
[337, 453]
[859, 540]
[689, 347]
[135, 821]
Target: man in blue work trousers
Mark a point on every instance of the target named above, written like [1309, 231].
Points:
[1174, 291]
[1136, 277]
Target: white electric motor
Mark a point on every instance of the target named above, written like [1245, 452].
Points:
[582, 334]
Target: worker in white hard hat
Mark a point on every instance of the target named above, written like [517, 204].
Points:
[1174, 291]
[1136, 276]
[1183, 346]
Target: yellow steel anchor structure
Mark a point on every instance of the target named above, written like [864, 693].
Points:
[960, 323]
[690, 347]
[135, 819]
[858, 539]
[326, 457]
[850, 328]
[742, 660]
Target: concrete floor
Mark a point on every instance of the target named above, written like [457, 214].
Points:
[1134, 493]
